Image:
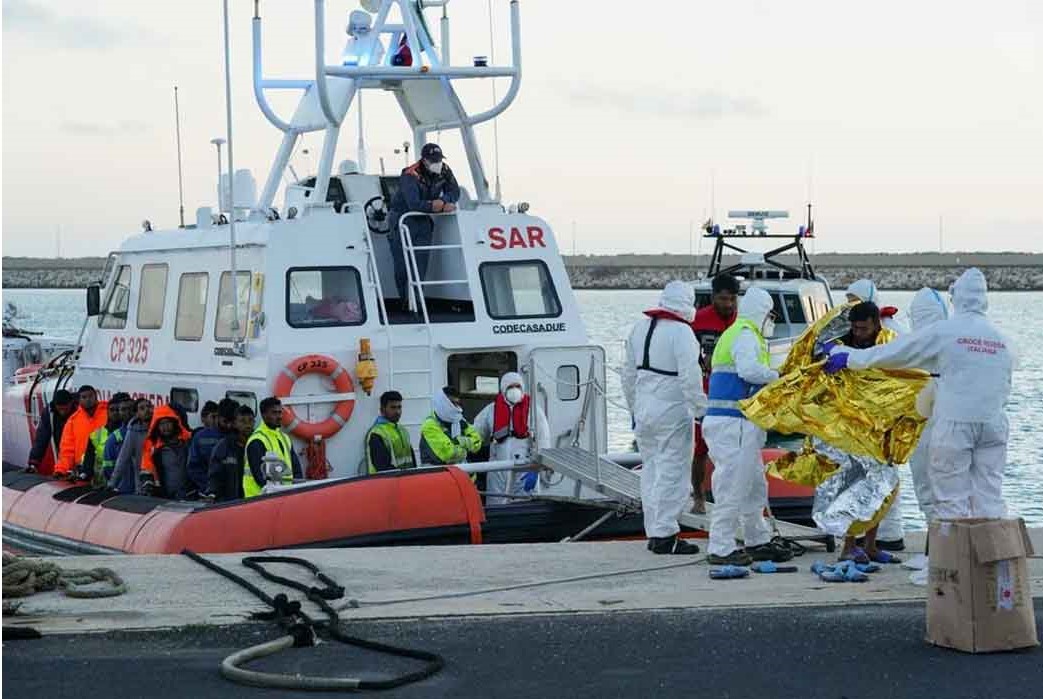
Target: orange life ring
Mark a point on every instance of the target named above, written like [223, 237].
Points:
[316, 364]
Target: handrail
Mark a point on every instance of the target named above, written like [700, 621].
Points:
[262, 100]
[320, 64]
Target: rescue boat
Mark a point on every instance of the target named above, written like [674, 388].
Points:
[300, 302]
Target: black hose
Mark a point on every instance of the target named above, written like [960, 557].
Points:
[301, 630]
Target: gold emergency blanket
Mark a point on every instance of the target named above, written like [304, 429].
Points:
[867, 413]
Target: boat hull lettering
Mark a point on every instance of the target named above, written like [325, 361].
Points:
[520, 328]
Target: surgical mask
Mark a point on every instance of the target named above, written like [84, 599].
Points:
[435, 168]
[768, 329]
[514, 395]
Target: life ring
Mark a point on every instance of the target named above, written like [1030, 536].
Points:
[316, 364]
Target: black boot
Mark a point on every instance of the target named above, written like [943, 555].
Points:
[671, 545]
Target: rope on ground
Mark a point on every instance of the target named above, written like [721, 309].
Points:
[528, 585]
[301, 631]
[27, 576]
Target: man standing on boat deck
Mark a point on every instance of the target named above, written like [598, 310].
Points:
[891, 533]
[662, 383]
[446, 437]
[710, 322]
[973, 361]
[48, 437]
[96, 468]
[426, 186]
[269, 438]
[204, 439]
[504, 426]
[128, 463]
[228, 459]
[91, 415]
[387, 442]
[740, 366]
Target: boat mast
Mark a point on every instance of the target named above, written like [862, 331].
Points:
[180, 179]
[231, 182]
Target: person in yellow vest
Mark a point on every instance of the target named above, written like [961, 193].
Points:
[387, 442]
[269, 437]
[96, 468]
[739, 368]
[446, 437]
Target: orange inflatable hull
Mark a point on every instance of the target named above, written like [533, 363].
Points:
[429, 506]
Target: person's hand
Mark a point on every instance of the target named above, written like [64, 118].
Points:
[449, 208]
[826, 348]
[530, 480]
[437, 206]
[836, 362]
[31, 468]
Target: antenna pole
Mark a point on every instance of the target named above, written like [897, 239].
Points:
[231, 179]
[180, 178]
[496, 130]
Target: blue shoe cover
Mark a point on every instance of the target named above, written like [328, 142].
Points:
[729, 572]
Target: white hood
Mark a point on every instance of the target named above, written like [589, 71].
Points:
[863, 289]
[509, 379]
[970, 292]
[447, 412]
[927, 307]
[679, 297]
[755, 305]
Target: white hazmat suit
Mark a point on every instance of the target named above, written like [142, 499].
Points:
[927, 308]
[740, 491]
[663, 386]
[511, 448]
[865, 290]
[967, 451]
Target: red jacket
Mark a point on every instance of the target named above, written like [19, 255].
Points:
[708, 326]
[76, 436]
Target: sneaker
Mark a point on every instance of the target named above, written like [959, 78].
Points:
[891, 545]
[738, 557]
[770, 551]
[672, 545]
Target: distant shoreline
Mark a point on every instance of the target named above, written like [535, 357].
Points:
[1005, 271]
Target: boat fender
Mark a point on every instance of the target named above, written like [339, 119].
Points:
[342, 384]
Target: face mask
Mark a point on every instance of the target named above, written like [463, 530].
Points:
[435, 168]
[514, 395]
[768, 329]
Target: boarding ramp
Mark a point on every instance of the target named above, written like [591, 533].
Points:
[620, 483]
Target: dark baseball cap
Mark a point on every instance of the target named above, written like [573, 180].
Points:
[432, 152]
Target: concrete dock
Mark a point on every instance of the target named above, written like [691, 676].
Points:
[465, 602]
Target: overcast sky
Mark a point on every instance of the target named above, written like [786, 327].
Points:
[892, 113]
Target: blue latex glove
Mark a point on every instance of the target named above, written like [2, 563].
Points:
[836, 363]
[530, 480]
[826, 347]
[729, 572]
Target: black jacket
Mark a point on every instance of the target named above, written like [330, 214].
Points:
[51, 424]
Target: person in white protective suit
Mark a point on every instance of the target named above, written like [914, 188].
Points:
[739, 368]
[890, 534]
[927, 307]
[973, 360]
[509, 425]
[663, 385]
[865, 290]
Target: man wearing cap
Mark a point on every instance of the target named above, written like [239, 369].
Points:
[426, 186]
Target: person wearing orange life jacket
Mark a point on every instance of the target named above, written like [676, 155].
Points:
[151, 479]
[504, 426]
[76, 435]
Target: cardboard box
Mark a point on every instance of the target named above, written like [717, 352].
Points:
[978, 593]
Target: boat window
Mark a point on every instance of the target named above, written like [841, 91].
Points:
[568, 382]
[794, 309]
[519, 290]
[152, 296]
[246, 398]
[776, 307]
[191, 306]
[324, 297]
[226, 306]
[187, 398]
[114, 316]
[703, 299]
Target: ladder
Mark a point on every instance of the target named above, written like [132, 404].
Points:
[620, 483]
